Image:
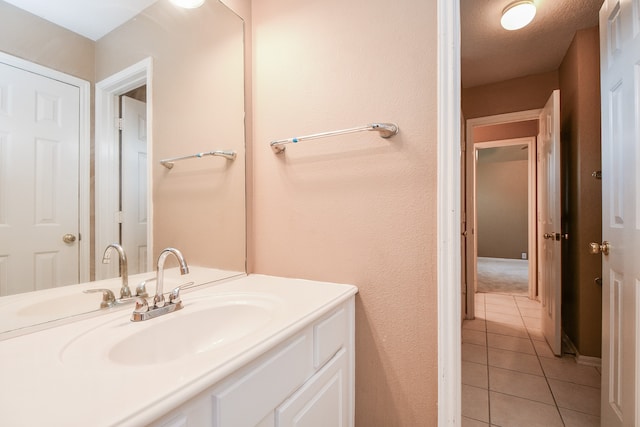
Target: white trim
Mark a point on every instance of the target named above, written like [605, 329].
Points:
[448, 211]
[530, 142]
[107, 154]
[580, 359]
[518, 116]
[84, 149]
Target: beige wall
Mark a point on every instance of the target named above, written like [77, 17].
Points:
[524, 93]
[197, 105]
[28, 37]
[356, 208]
[580, 115]
[502, 206]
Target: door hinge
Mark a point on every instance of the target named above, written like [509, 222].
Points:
[118, 217]
[120, 123]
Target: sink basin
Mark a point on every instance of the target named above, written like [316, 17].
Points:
[203, 325]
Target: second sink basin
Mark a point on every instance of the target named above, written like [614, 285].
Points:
[203, 325]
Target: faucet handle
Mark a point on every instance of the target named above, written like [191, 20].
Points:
[174, 296]
[108, 298]
[142, 306]
[141, 289]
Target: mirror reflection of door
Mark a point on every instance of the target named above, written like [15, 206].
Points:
[133, 179]
[39, 194]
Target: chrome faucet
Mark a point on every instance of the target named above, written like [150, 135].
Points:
[158, 300]
[125, 292]
[142, 310]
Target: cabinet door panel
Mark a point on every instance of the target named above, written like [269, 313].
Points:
[322, 401]
[264, 386]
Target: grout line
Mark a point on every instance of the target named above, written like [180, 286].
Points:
[486, 337]
[539, 359]
[546, 379]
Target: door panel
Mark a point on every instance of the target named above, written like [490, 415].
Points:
[620, 89]
[549, 222]
[134, 184]
[39, 163]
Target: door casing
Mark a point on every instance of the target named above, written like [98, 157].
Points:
[472, 244]
[107, 154]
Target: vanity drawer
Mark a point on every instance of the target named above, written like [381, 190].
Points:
[330, 335]
[265, 385]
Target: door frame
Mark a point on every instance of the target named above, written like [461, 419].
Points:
[472, 242]
[530, 142]
[107, 154]
[448, 213]
[84, 149]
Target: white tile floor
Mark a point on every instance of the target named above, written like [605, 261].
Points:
[510, 377]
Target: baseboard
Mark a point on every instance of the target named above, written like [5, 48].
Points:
[580, 359]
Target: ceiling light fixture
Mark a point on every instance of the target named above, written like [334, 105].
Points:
[188, 4]
[518, 15]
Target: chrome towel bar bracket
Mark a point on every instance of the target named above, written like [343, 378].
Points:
[230, 155]
[386, 130]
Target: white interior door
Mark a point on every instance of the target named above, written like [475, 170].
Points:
[620, 91]
[39, 163]
[549, 222]
[134, 183]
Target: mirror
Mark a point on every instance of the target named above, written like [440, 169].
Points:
[190, 62]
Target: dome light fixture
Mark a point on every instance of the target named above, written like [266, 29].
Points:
[188, 4]
[518, 15]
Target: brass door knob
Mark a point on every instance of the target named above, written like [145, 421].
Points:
[68, 238]
[597, 248]
[549, 236]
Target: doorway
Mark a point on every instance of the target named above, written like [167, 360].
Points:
[109, 155]
[505, 216]
[512, 129]
[449, 101]
[133, 188]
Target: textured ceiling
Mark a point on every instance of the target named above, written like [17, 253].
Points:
[491, 54]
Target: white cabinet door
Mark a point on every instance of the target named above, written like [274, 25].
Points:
[322, 401]
[246, 399]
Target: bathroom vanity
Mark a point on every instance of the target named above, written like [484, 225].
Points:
[251, 351]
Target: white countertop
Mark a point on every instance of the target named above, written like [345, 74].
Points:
[66, 376]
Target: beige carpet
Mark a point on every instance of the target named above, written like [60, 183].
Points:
[504, 276]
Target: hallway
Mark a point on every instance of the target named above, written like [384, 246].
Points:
[510, 376]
